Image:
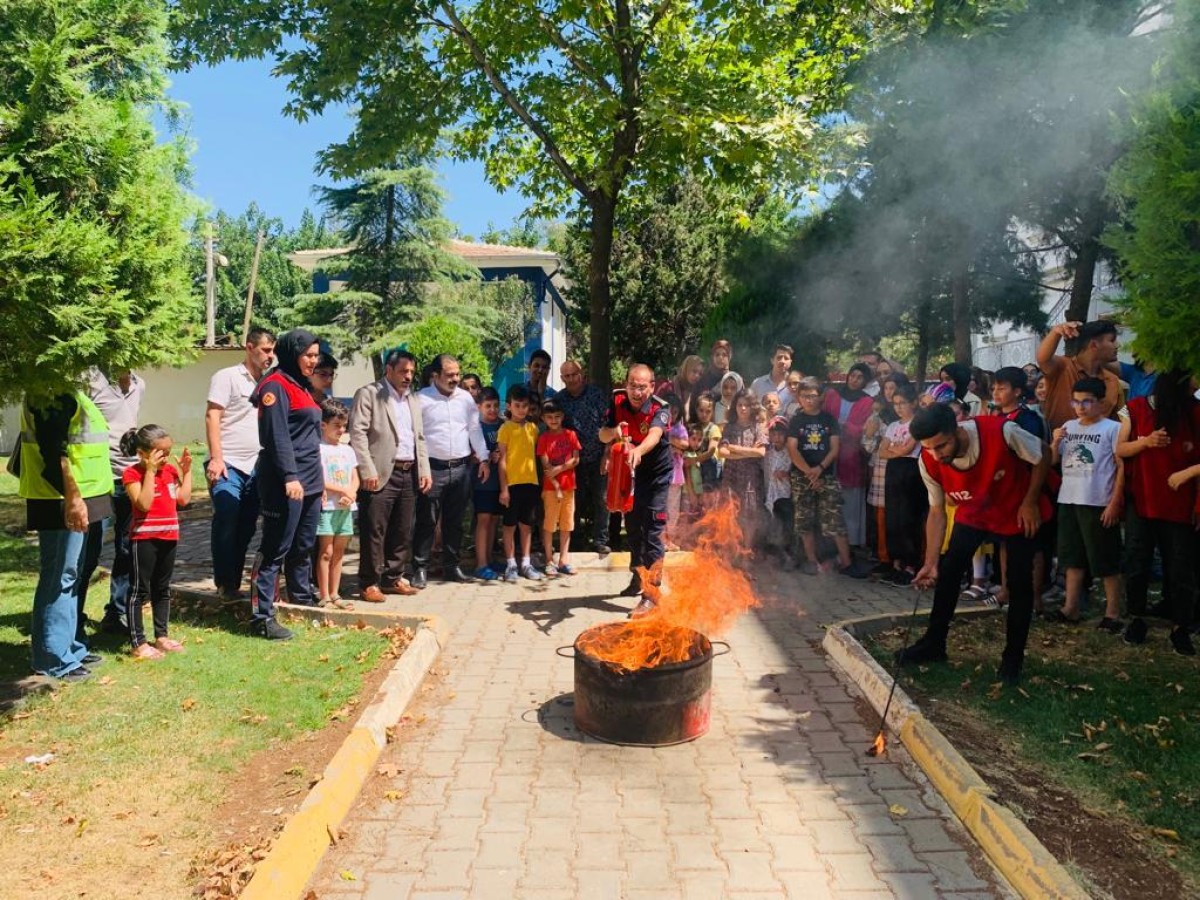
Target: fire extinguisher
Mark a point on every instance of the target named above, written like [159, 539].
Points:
[620, 475]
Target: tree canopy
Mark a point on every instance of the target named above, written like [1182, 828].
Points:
[1158, 182]
[92, 209]
[584, 99]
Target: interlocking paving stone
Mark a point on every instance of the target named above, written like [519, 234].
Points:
[502, 797]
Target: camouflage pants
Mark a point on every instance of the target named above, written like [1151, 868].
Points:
[819, 506]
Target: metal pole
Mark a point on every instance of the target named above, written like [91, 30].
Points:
[253, 278]
[210, 291]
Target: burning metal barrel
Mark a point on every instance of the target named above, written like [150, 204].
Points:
[643, 683]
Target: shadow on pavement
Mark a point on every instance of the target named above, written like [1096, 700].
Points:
[547, 612]
[557, 716]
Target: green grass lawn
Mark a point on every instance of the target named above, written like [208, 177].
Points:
[1119, 725]
[150, 747]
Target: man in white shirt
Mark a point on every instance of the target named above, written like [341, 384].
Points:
[120, 400]
[775, 382]
[455, 442]
[388, 440]
[231, 429]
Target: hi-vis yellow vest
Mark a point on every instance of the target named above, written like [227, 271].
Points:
[87, 454]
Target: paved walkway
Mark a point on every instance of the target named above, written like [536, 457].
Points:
[499, 796]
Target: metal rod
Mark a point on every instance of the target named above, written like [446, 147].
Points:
[879, 745]
[258, 246]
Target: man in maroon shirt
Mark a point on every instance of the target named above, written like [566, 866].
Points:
[993, 472]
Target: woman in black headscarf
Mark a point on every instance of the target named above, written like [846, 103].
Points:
[959, 375]
[290, 479]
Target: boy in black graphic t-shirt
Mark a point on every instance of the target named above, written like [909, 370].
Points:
[813, 442]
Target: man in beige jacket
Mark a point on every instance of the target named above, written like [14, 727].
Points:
[388, 440]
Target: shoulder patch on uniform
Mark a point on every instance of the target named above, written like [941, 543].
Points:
[268, 398]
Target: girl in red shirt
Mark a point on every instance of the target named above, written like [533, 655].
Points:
[156, 488]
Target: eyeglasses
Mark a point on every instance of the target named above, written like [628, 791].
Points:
[809, 395]
[1085, 402]
[325, 373]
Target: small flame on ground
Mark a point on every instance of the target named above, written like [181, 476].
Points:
[704, 593]
[879, 746]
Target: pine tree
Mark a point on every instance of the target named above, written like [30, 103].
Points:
[92, 209]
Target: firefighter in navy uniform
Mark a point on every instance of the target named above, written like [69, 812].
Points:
[647, 420]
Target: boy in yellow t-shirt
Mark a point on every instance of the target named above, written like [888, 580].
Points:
[519, 489]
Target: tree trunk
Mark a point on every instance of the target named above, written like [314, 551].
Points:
[1084, 280]
[603, 208]
[923, 312]
[389, 238]
[961, 297]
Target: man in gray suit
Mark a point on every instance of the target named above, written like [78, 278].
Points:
[388, 440]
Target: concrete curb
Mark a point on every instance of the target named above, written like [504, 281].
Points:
[297, 852]
[1013, 849]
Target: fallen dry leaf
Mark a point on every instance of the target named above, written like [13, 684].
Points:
[392, 795]
[1169, 833]
[347, 875]
[897, 810]
[188, 704]
[105, 681]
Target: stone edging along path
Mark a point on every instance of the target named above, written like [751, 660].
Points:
[1012, 848]
[300, 846]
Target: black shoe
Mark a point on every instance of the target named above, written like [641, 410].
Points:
[924, 650]
[633, 589]
[602, 550]
[273, 631]
[853, 570]
[1182, 642]
[114, 625]
[79, 673]
[92, 659]
[458, 576]
[1112, 626]
[1135, 631]
[1009, 673]
[420, 578]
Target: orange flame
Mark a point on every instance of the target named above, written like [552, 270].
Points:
[879, 746]
[704, 592]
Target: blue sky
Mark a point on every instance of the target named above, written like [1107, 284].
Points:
[247, 150]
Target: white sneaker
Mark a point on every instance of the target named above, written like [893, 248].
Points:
[510, 574]
[528, 571]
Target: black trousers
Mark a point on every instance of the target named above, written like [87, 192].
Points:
[906, 506]
[591, 504]
[385, 524]
[446, 502]
[288, 536]
[646, 523]
[1177, 545]
[153, 562]
[956, 562]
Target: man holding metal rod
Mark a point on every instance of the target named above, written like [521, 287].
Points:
[993, 472]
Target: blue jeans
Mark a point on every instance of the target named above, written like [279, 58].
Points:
[235, 505]
[289, 535]
[56, 651]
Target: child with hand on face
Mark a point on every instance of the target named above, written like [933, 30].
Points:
[156, 488]
[337, 509]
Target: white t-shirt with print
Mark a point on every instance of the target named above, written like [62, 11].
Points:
[1089, 462]
[338, 463]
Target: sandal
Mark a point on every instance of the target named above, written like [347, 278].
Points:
[976, 593]
[168, 645]
[145, 651]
